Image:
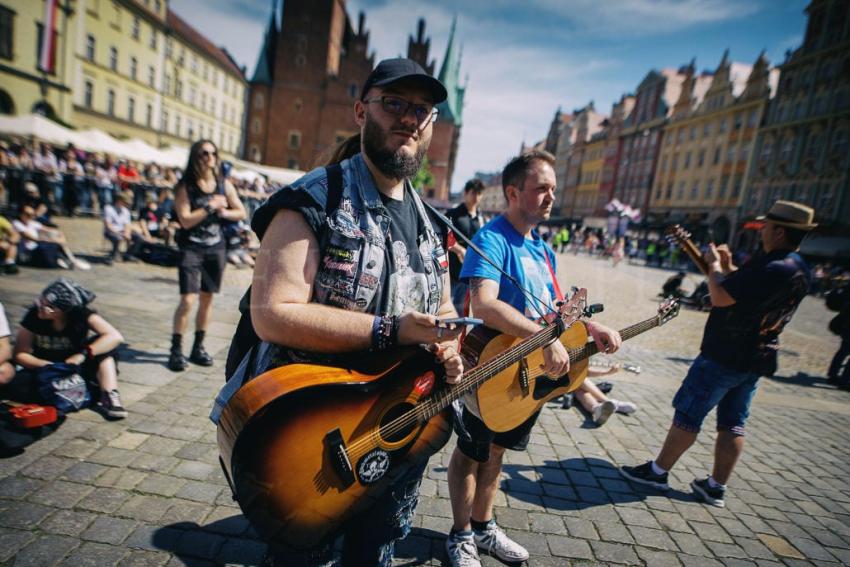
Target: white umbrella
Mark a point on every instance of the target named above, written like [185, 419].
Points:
[38, 127]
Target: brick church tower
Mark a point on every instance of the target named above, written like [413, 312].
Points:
[309, 72]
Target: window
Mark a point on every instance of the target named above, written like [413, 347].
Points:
[722, 127]
[297, 105]
[292, 163]
[787, 148]
[167, 85]
[352, 91]
[7, 28]
[739, 120]
[695, 191]
[706, 129]
[151, 76]
[157, 6]
[730, 153]
[766, 150]
[154, 38]
[113, 58]
[753, 119]
[744, 152]
[192, 95]
[163, 120]
[680, 192]
[149, 115]
[136, 27]
[203, 100]
[674, 162]
[668, 194]
[90, 45]
[169, 47]
[664, 163]
[177, 125]
[206, 71]
[110, 102]
[724, 184]
[680, 136]
[131, 109]
[255, 126]
[687, 163]
[259, 101]
[194, 64]
[839, 143]
[190, 127]
[716, 159]
[178, 88]
[88, 95]
[701, 158]
[134, 64]
[736, 191]
[294, 139]
[39, 35]
[693, 134]
[709, 189]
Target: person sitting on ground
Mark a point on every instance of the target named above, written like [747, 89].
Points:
[238, 245]
[118, 228]
[60, 327]
[9, 241]
[153, 224]
[7, 369]
[673, 286]
[32, 197]
[41, 246]
[597, 404]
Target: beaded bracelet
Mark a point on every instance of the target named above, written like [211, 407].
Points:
[384, 332]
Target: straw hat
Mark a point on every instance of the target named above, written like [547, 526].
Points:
[791, 215]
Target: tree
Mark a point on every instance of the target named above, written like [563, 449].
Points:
[424, 179]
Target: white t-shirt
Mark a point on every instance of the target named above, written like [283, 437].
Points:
[116, 219]
[31, 230]
[4, 323]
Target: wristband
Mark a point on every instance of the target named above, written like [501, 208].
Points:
[209, 209]
[384, 332]
[87, 352]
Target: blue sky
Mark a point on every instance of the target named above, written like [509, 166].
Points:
[525, 59]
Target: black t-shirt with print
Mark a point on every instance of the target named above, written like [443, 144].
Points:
[50, 344]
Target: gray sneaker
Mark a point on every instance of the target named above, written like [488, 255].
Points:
[496, 542]
[460, 547]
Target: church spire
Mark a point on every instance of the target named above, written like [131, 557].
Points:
[265, 62]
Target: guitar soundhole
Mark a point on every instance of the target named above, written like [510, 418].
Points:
[395, 427]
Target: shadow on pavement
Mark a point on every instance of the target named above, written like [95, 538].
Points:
[802, 379]
[591, 482]
[160, 279]
[130, 355]
[226, 541]
[681, 359]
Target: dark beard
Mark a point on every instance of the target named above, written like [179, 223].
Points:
[397, 164]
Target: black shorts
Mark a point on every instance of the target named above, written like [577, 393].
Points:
[474, 437]
[201, 269]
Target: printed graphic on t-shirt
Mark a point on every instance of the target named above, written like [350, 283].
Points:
[536, 277]
[407, 289]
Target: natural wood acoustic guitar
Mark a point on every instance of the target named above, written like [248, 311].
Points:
[305, 446]
[682, 237]
[512, 396]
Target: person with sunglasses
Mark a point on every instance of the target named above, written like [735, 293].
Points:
[203, 203]
[365, 270]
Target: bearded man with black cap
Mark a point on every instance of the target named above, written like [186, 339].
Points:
[750, 307]
[350, 261]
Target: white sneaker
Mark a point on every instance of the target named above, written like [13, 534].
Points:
[603, 411]
[626, 408]
[81, 264]
[496, 542]
[63, 263]
[462, 551]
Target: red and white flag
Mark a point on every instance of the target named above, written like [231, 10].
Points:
[48, 38]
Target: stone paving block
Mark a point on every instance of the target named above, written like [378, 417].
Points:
[160, 484]
[125, 479]
[226, 521]
[637, 517]
[67, 522]
[48, 467]
[161, 446]
[536, 544]
[112, 456]
[196, 543]
[710, 532]
[110, 530]
[657, 558]
[522, 486]
[129, 440]
[614, 552]
[106, 500]
[24, 516]
[614, 532]
[546, 524]
[184, 511]
[18, 487]
[144, 507]
[76, 449]
[154, 538]
[649, 537]
[96, 555]
[140, 558]
[841, 554]
[735, 527]
[698, 561]
[578, 527]
[530, 502]
[672, 521]
[558, 491]
[199, 491]
[83, 472]
[11, 541]
[811, 549]
[563, 546]
[754, 548]
[46, 550]
[194, 470]
[690, 544]
[726, 550]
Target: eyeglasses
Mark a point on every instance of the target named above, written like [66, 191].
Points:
[424, 113]
[45, 306]
[205, 153]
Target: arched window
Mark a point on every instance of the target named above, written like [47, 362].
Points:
[43, 107]
[256, 126]
[297, 105]
[7, 105]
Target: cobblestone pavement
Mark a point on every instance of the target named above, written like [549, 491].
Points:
[148, 490]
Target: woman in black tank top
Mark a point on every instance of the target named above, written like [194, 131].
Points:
[203, 203]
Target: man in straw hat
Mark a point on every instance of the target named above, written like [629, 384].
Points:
[751, 305]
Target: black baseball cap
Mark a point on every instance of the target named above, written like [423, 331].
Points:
[389, 71]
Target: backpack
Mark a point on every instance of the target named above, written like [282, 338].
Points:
[245, 338]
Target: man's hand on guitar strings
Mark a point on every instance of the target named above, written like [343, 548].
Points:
[556, 360]
[607, 340]
[447, 353]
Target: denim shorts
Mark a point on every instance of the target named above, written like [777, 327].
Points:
[709, 385]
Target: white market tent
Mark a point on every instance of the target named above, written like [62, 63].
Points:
[280, 175]
[38, 127]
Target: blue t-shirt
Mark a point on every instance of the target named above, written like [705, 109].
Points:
[523, 258]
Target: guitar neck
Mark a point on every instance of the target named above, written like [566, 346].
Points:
[694, 254]
[473, 378]
[589, 349]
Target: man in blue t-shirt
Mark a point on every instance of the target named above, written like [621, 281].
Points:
[750, 307]
[509, 240]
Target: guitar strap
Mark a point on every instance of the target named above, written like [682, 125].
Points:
[558, 295]
[535, 300]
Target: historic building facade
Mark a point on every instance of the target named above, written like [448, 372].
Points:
[707, 146]
[132, 68]
[310, 70]
[641, 136]
[803, 147]
[611, 153]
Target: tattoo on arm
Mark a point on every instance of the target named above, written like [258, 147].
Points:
[475, 285]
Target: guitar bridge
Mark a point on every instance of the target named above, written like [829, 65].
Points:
[523, 376]
[339, 457]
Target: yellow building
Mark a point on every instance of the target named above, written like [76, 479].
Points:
[707, 146]
[132, 68]
[590, 176]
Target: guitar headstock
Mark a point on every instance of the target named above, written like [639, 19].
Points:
[667, 309]
[677, 233]
[571, 310]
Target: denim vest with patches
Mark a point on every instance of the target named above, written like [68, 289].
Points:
[353, 244]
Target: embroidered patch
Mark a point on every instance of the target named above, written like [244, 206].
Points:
[340, 254]
[424, 384]
[368, 280]
[340, 300]
[344, 267]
